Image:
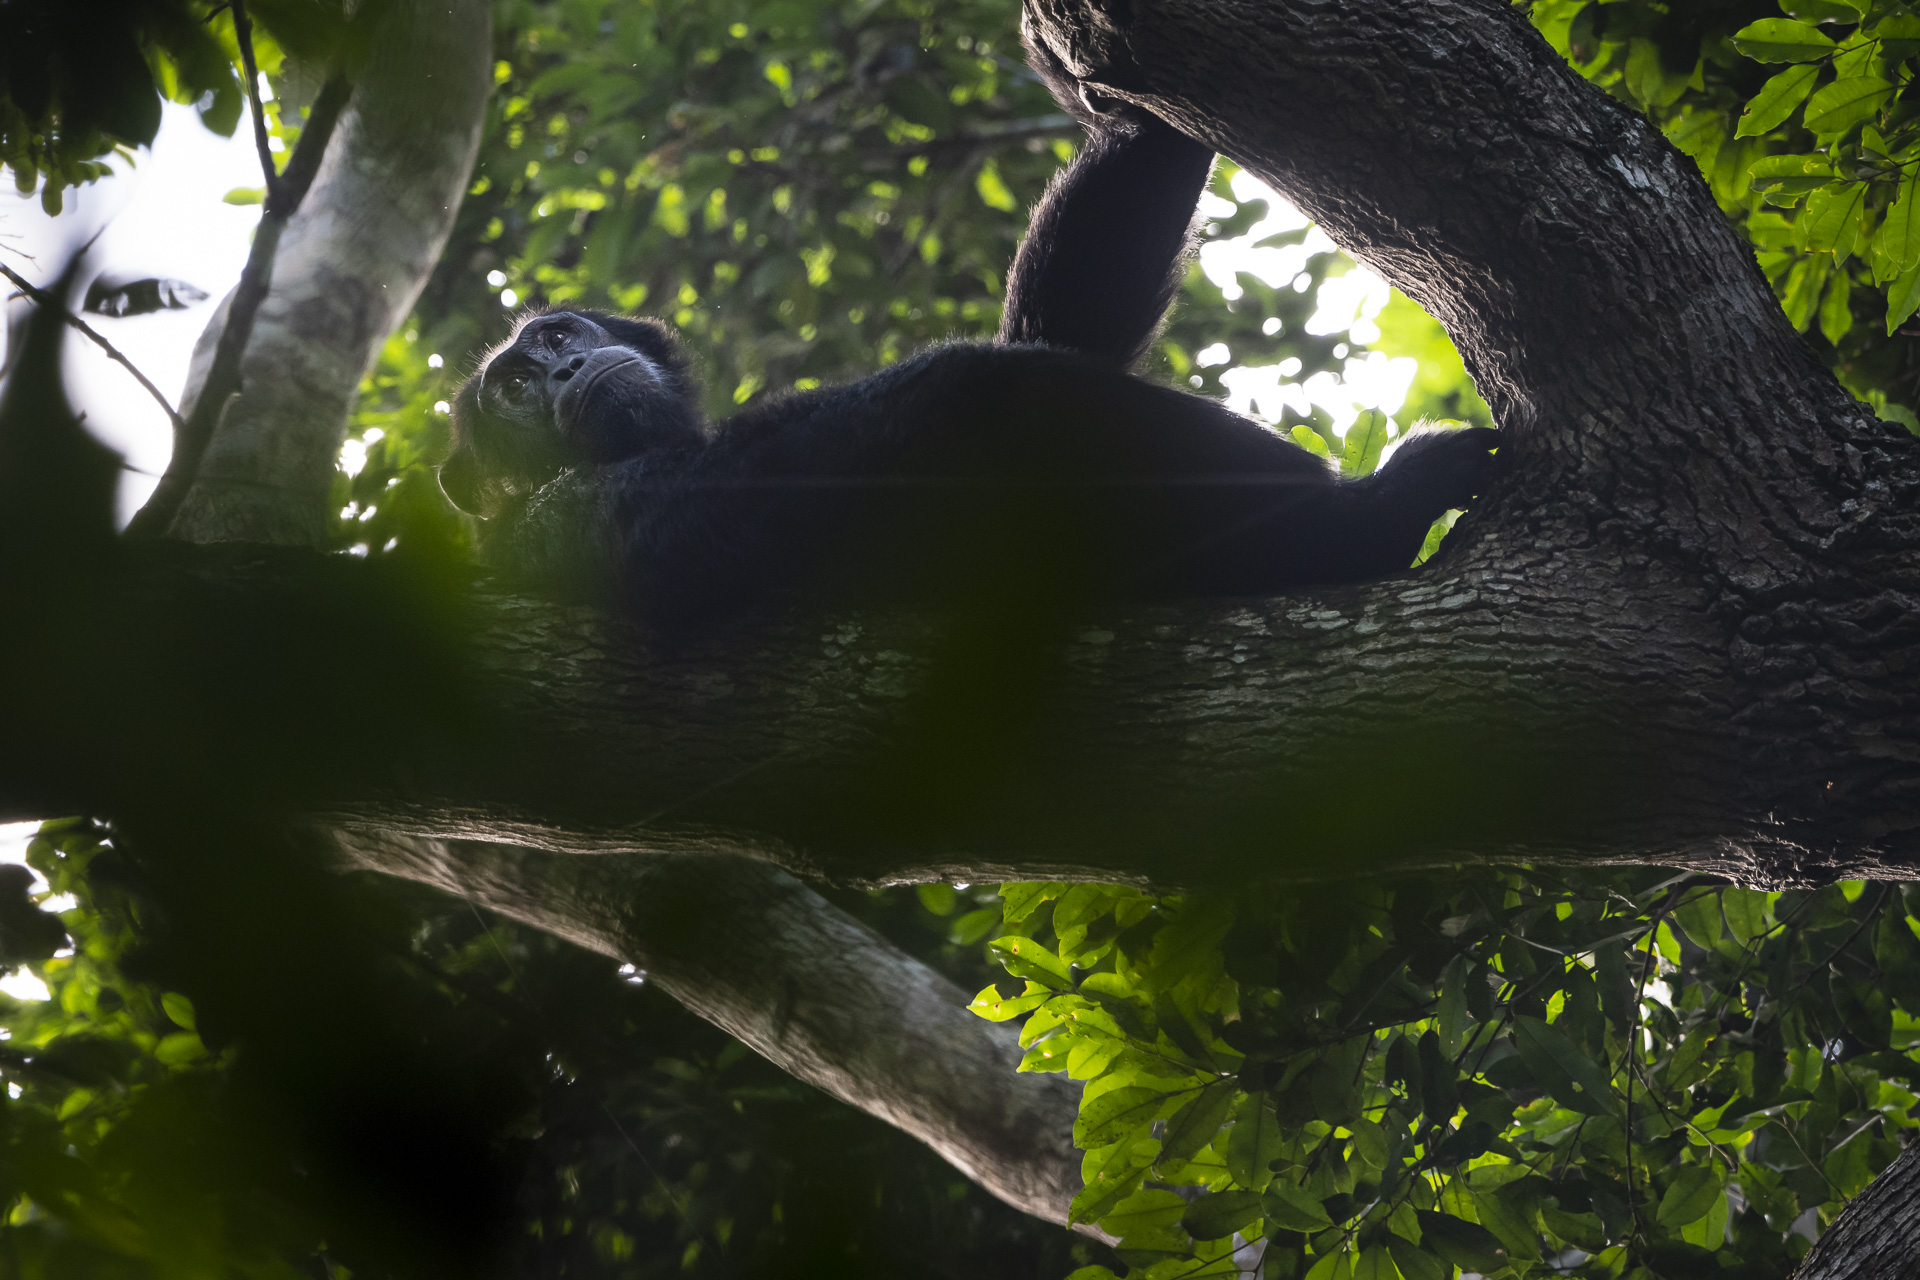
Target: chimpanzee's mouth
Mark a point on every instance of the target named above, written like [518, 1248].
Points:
[627, 370]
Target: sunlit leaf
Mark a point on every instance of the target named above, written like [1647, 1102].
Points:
[1690, 1196]
[1777, 100]
[1845, 103]
[1782, 40]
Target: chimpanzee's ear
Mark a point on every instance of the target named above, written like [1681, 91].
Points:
[460, 481]
[460, 472]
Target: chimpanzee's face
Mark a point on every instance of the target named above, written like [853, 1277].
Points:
[569, 388]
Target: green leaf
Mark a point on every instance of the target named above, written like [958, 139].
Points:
[1782, 40]
[1416, 1263]
[1699, 134]
[1680, 1068]
[973, 926]
[1504, 1212]
[1113, 1182]
[1253, 1143]
[1563, 1069]
[1903, 298]
[1690, 1197]
[1028, 958]
[1896, 246]
[1375, 1264]
[1821, 11]
[245, 195]
[1648, 79]
[1114, 1114]
[1776, 100]
[1698, 915]
[1093, 1273]
[1333, 1266]
[1836, 309]
[992, 1006]
[179, 1008]
[1467, 1245]
[1453, 1019]
[1365, 439]
[1078, 906]
[1017, 901]
[1746, 912]
[1710, 1230]
[1845, 103]
[1294, 1208]
[1198, 1122]
[1785, 180]
[1190, 940]
[1144, 1212]
[992, 188]
[1212, 1217]
[1804, 285]
[937, 898]
[1310, 440]
[179, 1048]
[1369, 1142]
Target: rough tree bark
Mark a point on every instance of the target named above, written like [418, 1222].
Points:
[1877, 1236]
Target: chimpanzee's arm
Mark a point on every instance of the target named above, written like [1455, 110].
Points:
[1108, 242]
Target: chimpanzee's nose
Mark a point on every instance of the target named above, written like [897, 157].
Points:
[566, 371]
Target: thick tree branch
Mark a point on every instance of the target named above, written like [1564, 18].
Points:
[1528, 712]
[766, 959]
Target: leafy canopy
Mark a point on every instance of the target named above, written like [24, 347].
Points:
[1503, 1072]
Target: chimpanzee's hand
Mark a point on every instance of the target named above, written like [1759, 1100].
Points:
[1446, 468]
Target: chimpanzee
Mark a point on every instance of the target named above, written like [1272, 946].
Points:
[1033, 466]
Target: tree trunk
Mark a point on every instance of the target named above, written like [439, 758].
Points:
[348, 269]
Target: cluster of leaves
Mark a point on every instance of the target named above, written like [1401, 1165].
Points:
[1809, 135]
[106, 1133]
[79, 83]
[645, 1142]
[1502, 1072]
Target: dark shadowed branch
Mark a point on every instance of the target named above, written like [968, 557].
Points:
[42, 298]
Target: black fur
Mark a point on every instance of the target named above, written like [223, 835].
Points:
[1032, 468]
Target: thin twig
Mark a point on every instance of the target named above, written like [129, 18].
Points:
[223, 376]
[45, 299]
[243, 34]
